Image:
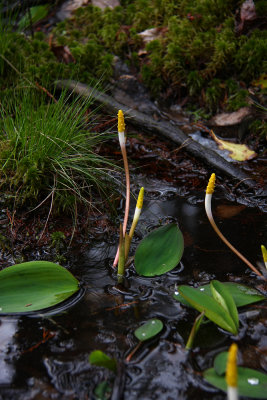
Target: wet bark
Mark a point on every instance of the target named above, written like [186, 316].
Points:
[163, 128]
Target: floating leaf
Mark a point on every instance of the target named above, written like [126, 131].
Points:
[221, 294]
[160, 251]
[34, 285]
[97, 357]
[242, 295]
[150, 329]
[238, 152]
[213, 310]
[251, 383]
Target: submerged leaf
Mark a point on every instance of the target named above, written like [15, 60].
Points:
[34, 285]
[160, 251]
[150, 329]
[238, 152]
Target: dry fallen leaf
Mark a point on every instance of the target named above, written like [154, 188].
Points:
[238, 152]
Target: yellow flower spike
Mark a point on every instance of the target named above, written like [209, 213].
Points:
[121, 124]
[137, 213]
[231, 369]
[264, 253]
[140, 199]
[211, 184]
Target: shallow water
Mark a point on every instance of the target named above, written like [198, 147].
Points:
[47, 357]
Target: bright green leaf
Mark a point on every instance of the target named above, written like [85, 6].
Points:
[97, 357]
[222, 295]
[213, 310]
[242, 295]
[150, 329]
[251, 383]
[36, 14]
[160, 251]
[34, 285]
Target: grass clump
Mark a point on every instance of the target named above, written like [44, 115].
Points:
[47, 152]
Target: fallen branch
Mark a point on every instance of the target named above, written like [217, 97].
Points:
[147, 123]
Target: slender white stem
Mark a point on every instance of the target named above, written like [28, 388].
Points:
[232, 393]
[212, 222]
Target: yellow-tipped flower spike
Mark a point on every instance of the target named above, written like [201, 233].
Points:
[211, 184]
[231, 369]
[121, 124]
[140, 199]
[264, 253]
[137, 211]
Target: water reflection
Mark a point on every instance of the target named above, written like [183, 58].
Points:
[8, 328]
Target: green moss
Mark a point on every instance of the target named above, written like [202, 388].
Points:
[198, 50]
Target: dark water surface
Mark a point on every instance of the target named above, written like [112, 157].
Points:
[46, 357]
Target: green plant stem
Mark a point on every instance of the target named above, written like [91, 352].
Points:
[121, 265]
[194, 331]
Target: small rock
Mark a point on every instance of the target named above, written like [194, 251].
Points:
[105, 3]
[68, 7]
[230, 119]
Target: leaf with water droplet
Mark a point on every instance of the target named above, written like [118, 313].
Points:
[251, 383]
[242, 295]
[150, 329]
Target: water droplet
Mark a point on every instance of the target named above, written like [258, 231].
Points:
[253, 381]
[143, 334]
[153, 322]
[202, 289]
[1, 309]
[176, 292]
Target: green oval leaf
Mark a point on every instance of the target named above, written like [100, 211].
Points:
[34, 285]
[150, 329]
[213, 310]
[251, 383]
[222, 295]
[97, 357]
[160, 251]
